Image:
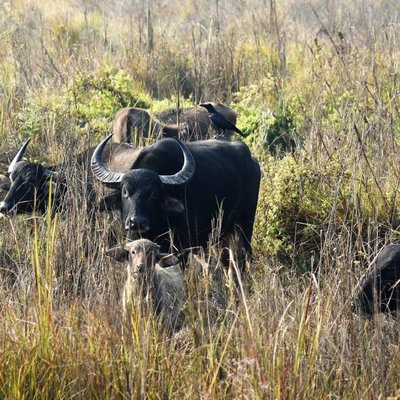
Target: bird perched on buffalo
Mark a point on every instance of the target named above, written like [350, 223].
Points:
[220, 122]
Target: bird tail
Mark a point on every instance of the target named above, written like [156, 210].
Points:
[237, 130]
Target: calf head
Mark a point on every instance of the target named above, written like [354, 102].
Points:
[143, 255]
[27, 185]
[144, 196]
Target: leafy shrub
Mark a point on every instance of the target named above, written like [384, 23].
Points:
[266, 116]
[278, 132]
[300, 200]
[89, 101]
[44, 112]
[290, 205]
[98, 97]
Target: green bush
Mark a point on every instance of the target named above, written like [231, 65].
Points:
[278, 131]
[98, 97]
[291, 207]
[89, 102]
[266, 117]
[301, 201]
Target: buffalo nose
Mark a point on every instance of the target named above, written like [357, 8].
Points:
[137, 223]
[4, 207]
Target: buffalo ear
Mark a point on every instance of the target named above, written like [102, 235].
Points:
[109, 202]
[5, 182]
[118, 253]
[172, 204]
[168, 260]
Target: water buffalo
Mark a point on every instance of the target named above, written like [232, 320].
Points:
[173, 193]
[381, 288]
[154, 276]
[129, 121]
[198, 120]
[131, 124]
[191, 123]
[28, 184]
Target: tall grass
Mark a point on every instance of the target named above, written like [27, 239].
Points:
[327, 74]
[278, 335]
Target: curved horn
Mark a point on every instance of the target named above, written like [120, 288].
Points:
[187, 171]
[18, 156]
[99, 170]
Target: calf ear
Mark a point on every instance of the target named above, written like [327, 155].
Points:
[5, 182]
[168, 261]
[172, 204]
[118, 253]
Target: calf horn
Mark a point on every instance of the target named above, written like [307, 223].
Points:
[108, 177]
[18, 156]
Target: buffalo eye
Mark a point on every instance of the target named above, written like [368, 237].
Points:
[154, 195]
[124, 192]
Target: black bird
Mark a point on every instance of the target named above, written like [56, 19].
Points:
[220, 123]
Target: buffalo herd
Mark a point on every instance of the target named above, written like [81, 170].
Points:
[173, 195]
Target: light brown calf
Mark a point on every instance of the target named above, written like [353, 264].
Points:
[155, 277]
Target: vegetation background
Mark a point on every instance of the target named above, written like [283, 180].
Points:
[316, 86]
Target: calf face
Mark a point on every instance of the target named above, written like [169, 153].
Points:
[149, 277]
[141, 254]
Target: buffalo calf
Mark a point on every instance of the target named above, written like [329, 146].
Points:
[155, 277]
[381, 289]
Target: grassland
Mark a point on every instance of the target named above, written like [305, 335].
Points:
[319, 77]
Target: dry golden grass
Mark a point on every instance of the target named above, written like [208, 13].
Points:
[289, 332]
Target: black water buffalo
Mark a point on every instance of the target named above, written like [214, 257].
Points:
[29, 185]
[173, 192]
[189, 123]
[381, 288]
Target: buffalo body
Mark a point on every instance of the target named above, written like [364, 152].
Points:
[381, 289]
[190, 123]
[179, 194]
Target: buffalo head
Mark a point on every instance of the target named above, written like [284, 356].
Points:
[27, 185]
[145, 199]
